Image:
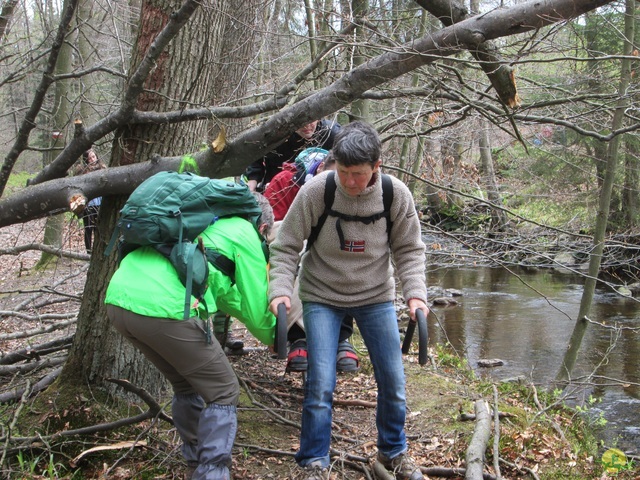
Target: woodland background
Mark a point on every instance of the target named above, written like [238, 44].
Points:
[514, 123]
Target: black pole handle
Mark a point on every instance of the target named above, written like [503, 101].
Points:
[408, 337]
[281, 332]
[423, 337]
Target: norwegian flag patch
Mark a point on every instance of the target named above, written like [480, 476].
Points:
[356, 246]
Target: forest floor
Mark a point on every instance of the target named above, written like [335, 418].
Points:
[538, 436]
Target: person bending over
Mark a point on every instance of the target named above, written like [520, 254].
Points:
[145, 303]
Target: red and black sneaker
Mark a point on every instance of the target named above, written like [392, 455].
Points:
[297, 358]
[347, 359]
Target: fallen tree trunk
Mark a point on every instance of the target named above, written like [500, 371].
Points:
[35, 351]
[478, 444]
[43, 383]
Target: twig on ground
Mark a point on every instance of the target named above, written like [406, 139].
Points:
[14, 420]
[43, 383]
[526, 469]
[496, 434]
[6, 370]
[58, 252]
[39, 330]
[35, 351]
[555, 426]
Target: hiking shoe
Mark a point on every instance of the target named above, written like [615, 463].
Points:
[347, 359]
[313, 471]
[233, 343]
[297, 358]
[230, 343]
[402, 467]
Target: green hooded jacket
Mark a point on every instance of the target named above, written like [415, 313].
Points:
[147, 284]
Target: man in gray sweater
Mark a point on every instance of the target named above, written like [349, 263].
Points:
[347, 270]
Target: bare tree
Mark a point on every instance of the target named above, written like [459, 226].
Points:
[612, 163]
[252, 143]
[142, 121]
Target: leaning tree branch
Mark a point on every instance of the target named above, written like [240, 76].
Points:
[501, 75]
[59, 167]
[465, 35]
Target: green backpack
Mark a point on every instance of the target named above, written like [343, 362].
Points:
[169, 210]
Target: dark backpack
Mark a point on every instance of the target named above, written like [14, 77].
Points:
[329, 196]
[169, 210]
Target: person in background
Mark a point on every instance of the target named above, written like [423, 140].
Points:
[319, 133]
[90, 163]
[280, 193]
[145, 303]
[348, 270]
[284, 187]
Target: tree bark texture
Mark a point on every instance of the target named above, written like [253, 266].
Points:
[499, 218]
[60, 119]
[182, 78]
[6, 15]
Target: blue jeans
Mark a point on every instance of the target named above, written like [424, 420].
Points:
[378, 326]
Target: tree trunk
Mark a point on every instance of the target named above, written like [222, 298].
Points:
[6, 15]
[415, 166]
[612, 161]
[183, 77]
[238, 34]
[406, 143]
[499, 218]
[59, 123]
[631, 193]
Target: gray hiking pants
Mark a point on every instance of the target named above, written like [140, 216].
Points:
[205, 386]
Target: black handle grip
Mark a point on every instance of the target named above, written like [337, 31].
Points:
[281, 332]
[423, 337]
[408, 337]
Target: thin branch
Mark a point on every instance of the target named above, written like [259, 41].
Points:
[496, 434]
[39, 330]
[56, 251]
[29, 122]
[60, 165]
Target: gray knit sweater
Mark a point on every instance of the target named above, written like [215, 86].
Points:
[362, 274]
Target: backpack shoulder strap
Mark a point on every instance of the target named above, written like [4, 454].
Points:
[222, 263]
[387, 200]
[330, 187]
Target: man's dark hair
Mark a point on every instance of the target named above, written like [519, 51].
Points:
[356, 143]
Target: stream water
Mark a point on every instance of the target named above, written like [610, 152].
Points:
[526, 319]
